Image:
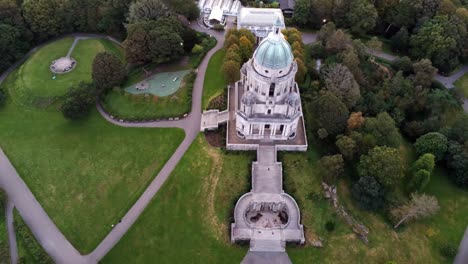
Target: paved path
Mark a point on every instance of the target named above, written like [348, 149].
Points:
[462, 256]
[11, 232]
[45, 231]
[191, 125]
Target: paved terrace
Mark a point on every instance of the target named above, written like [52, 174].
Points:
[267, 199]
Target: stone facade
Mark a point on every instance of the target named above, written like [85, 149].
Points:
[270, 104]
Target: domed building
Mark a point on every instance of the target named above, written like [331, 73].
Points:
[269, 105]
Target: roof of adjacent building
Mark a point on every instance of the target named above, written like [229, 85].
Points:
[260, 17]
[286, 4]
[274, 52]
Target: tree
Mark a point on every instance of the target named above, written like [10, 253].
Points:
[424, 72]
[384, 164]
[362, 16]
[333, 113]
[442, 40]
[404, 64]
[400, 41]
[369, 194]
[302, 14]
[326, 31]
[2, 97]
[420, 206]
[383, 129]
[322, 133]
[78, 101]
[337, 42]
[419, 180]
[154, 41]
[246, 48]
[46, 18]
[331, 168]
[143, 10]
[347, 146]
[374, 44]
[301, 71]
[421, 171]
[432, 142]
[12, 47]
[107, 71]
[197, 49]
[340, 81]
[457, 162]
[231, 70]
[355, 120]
[231, 40]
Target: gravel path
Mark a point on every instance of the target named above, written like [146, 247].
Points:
[11, 232]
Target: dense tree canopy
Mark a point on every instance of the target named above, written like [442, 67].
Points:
[383, 129]
[362, 16]
[154, 41]
[143, 10]
[331, 113]
[368, 193]
[340, 81]
[78, 101]
[46, 18]
[384, 164]
[12, 47]
[434, 143]
[107, 71]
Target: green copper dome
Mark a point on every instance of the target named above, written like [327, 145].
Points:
[273, 52]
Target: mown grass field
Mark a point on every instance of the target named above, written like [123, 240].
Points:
[130, 107]
[4, 247]
[194, 211]
[186, 222]
[86, 174]
[34, 82]
[214, 83]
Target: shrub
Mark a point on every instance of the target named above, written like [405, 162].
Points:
[330, 226]
[434, 143]
[197, 49]
[448, 250]
[368, 193]
[78, 101]
[2, 97]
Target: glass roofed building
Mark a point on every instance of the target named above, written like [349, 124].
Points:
[260, 21]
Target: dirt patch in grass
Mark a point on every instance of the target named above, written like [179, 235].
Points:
[216, 138]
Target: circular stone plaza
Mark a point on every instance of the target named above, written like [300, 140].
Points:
[63, 65]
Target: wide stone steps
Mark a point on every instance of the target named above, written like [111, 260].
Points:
[266, 155]
[266, 178]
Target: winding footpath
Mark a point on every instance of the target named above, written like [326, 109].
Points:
[43, 228]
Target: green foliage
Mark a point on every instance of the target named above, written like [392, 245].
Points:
[384, 164]
[231, 70]
[330, 226]
[362, 16]
[403, 64]
[368, 193]
[27, 240]
[78, 101]
[400, 41]
[46, 18]
[143, 10]
[419, 180]
[12, 46]
[441, 40]
[107, 72]
[197, 49]
[322, 133]
[2, 97]
[331, 168]
[457, 161]
[340, 81]
[432, 142]
[333, 113]
[347, 146]
[383, 129]
[154, 41]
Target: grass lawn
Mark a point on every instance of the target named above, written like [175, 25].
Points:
[214, 84]
[86, 174]
[187, 220]
[462, 85]
[29, 250]
[35, 86]
[4, 247]
[134, 107]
